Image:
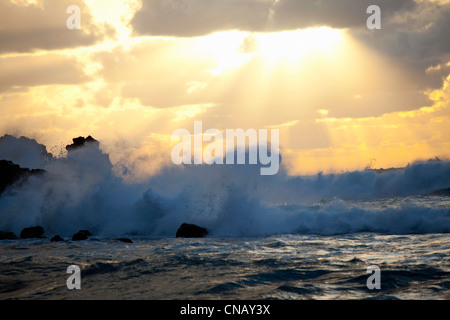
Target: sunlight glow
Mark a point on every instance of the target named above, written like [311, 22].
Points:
[232, 49]
[225, 47]
[293, 45]
[116, 13]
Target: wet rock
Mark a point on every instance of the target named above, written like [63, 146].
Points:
[12, 173]
[81, 235]
[32, 232]
[187, 230]
[56, 238]
[8, 236]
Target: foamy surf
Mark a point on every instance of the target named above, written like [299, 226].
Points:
[82, 191]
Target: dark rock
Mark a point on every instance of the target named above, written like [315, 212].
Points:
[12, 173]
[442, 192]
[187, 230]
[32, 232]
[56, 238]
[8, 236]
[79, 142]
[81, 235]
[126, 240]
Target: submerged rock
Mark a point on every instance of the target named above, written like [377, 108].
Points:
[442, 192]
[8, 236]
[32, 232]
[56, 238]
[187, 230]
[81, 235]
[126, 240]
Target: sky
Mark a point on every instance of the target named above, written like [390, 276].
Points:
[344, 97]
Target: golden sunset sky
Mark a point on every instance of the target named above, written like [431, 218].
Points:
[343, 96]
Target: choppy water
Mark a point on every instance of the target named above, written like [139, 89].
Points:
[274, 267]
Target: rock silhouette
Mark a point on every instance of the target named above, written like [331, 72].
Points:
[8, 236]
[56, 238]
[187, 230]
[32, 232]
[12, 173]
[79, 142]
[81, 235]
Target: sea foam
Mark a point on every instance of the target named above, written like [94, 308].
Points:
[82, 191]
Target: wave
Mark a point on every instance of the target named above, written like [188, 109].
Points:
[82, 191]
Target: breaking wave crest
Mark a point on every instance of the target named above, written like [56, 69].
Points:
[81, 191]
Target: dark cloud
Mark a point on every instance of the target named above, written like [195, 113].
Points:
[43, 26]
[416, 40]
[294, 14]
[199, 17]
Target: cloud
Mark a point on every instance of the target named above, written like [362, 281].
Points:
[161, 73]
[185, 18]
[30, 70]
[294, 14]
[197, 17]
[167, 73]
[416, 39]
[42, 25]
[414, 33]
[393, 138]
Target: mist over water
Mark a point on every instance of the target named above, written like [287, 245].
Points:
[82, 191]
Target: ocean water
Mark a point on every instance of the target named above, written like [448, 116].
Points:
[273, 267]
[270, 237]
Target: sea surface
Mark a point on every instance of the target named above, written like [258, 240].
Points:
[283, 266]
